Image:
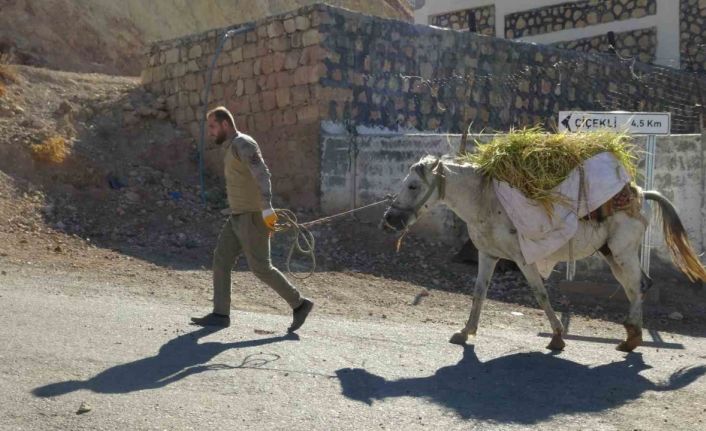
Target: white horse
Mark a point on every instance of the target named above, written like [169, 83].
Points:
[470, 195]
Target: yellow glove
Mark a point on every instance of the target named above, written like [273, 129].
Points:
[270, 218]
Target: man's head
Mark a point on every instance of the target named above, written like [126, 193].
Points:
[220, 124]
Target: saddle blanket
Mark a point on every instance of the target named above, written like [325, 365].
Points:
[539, 233]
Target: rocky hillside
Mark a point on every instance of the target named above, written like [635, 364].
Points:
[110, 36]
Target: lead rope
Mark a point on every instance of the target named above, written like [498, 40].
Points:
[303, 240]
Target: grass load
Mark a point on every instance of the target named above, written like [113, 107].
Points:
[535, 162]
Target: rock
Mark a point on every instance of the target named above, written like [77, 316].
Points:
[676, 315]
[84, 408]
[145, 111]
[130, 119]
[60, 226]
[132, 197]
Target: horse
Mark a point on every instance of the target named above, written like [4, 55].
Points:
[469, 194]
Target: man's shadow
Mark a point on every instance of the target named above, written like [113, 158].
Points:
[522, 388]
[181, 357]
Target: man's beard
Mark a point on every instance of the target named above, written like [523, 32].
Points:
[220, 139]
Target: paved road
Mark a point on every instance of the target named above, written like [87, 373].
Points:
[139, 366]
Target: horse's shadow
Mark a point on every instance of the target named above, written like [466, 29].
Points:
[181, 357]
[522, 388]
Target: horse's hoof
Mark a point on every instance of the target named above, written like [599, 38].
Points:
[629, 345]
[625, 347]
[458, 338]
[557, 343]
[634, 339]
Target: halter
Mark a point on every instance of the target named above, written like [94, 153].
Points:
[439, 182]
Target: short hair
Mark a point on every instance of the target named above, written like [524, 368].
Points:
[221, 113]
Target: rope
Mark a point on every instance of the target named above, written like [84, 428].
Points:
[303, 240]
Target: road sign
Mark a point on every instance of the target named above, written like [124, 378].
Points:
[636, 123]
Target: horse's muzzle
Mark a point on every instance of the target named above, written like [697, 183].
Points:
[393, 221]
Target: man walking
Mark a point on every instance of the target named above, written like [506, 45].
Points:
[249, 226]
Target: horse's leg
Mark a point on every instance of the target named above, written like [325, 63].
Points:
[624, 240]
[486, 266]
[540, 293]
[626, 269]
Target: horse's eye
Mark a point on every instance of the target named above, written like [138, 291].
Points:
[413, 187]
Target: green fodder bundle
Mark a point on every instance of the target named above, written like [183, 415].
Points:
[535, 162]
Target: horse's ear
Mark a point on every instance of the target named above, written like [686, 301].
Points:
[420, 170]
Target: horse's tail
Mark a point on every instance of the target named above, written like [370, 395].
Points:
[683, 253]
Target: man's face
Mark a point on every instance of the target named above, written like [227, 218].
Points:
[218, 131]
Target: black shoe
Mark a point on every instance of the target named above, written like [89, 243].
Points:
[300, 314]
[212, 319]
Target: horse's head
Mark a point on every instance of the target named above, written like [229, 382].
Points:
[421, 189]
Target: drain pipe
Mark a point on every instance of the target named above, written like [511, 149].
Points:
[207, 90]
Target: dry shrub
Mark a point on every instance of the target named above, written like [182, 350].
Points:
[7, 73]
[54, 149]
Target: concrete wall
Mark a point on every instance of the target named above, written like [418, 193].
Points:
[362, 170]
[357, 171]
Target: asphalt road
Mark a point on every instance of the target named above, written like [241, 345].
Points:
[138, 365]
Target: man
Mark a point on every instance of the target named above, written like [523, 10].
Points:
[249, 227]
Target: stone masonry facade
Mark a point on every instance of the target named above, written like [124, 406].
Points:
[458, 20]
[693, 35]
[290, 72]
[639, 44]
[575, 14]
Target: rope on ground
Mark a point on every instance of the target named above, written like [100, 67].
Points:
[303, 240]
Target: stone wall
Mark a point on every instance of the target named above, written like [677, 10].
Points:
[640, 44]
[395, 75]
[692, 19]
[364, 169]
[458, 20]
[575, 14]
[268, 77]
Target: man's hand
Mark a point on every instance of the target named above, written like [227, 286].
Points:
[270, 218]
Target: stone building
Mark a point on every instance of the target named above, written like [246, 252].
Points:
[664, 32]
